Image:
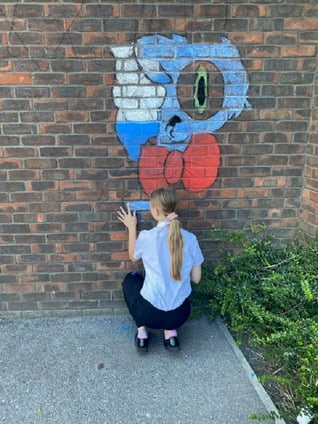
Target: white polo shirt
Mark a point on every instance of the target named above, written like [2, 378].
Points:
[159, 288]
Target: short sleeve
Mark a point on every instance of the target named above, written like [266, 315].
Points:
[196, 253]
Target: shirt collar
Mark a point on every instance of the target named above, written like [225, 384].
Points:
[163, 224]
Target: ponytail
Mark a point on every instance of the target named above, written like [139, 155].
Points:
[175, 242]
[166, 200]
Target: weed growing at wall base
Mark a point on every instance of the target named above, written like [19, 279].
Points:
[267, 292]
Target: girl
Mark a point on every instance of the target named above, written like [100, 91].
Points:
[171, 258]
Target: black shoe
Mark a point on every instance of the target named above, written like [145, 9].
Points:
[141, 345]
[172, 344]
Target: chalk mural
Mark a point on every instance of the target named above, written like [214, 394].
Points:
[172, 96]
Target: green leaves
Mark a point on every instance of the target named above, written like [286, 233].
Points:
[269, 290]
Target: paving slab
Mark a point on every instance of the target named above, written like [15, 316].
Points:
[86, 370]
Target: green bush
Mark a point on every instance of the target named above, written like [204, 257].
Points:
[269, 290]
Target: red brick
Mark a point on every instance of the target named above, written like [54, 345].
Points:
[301, 24]
[295, 51]
[19, 288]
[120, 235]
[246, 38]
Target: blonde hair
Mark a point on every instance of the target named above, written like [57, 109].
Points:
[165, 200]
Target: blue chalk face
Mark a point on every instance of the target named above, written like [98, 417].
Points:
[170, 94]
[147, 98]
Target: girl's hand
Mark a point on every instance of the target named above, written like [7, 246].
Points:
[128, 218]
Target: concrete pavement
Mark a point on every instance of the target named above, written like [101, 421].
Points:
[86, 371]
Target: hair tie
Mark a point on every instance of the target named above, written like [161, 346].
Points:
[172, 216]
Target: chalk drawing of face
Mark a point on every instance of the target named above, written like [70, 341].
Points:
[151, 106]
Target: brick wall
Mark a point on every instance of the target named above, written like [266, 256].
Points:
[64, 172]
[309, 213]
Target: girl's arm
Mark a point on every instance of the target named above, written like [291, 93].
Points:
[195, 275]
[129, 219]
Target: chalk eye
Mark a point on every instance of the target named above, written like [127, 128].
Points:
[200, 90]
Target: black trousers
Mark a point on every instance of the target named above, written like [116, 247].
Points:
[145, 314]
